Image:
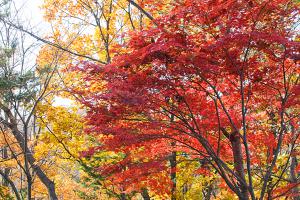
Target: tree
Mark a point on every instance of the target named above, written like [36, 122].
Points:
[221, 78]
[22, 87]
[87, 30]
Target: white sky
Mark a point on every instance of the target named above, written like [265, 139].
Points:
[30, 11]
[31, 17]
[31, 14]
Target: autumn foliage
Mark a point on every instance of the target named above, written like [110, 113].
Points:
[216, 82]
[152, 100]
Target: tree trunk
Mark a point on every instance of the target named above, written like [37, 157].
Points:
[238, 163]
[12, 185]
[293, 175]
[173, 164]
[123, 196]
[27, 168]
[6, 170]
[29, 187]
[37, 169]
[5, 156]
[145, 194]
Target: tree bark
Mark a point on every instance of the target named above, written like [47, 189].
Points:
[293, 175]
[123, 196]
[6, 170]
[40, 173]
[12, 125]
[12, 185]
[145, 194]
[29, 186]
[173, 164]
[238, 163]
[236, 144]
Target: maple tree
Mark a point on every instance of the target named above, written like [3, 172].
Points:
[102, 19]
[22, 87]
[217, 80]
[87, 29]
[166, 100]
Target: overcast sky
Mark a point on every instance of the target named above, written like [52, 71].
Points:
[30, 10]
[31, 14]
[31, 17]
